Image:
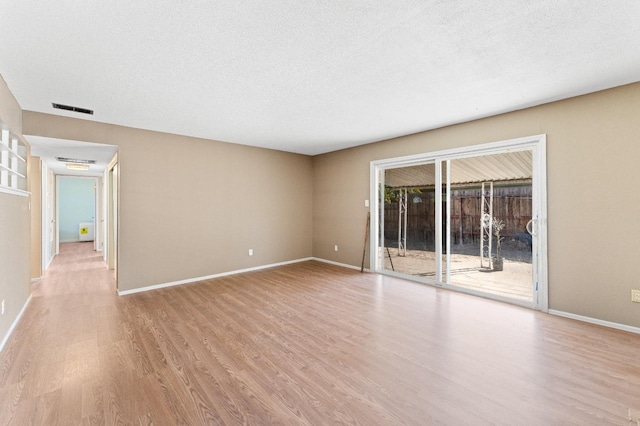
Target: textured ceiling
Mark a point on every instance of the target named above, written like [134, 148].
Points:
[482, 168]
[314, 76]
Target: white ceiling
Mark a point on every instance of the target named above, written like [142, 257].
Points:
[311, 76]
[48, 149]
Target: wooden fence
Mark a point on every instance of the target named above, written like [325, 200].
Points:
[511, 204]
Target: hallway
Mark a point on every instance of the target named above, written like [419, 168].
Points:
[51, 364]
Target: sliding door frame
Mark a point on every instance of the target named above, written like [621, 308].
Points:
[535, 143]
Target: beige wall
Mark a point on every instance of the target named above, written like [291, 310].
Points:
[191, 207]
[10, 111]
[14, 230]
[14, 257]
[593, 150]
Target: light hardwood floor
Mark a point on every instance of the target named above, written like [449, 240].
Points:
[308, 343]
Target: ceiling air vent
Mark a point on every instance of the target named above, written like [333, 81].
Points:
[75, 160]
[73, 108]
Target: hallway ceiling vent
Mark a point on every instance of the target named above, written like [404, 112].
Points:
[75, 160]
[72, 108]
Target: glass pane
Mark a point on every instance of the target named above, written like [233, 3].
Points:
[491, 204]
[408, 221]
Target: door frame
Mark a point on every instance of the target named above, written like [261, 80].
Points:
[535, 143]
[47, 197]
[111, 181]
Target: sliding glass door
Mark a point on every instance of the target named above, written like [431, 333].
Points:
[490, 249]
[468, 220]
[408, 231]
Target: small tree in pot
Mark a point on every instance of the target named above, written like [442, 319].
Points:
[497, 261]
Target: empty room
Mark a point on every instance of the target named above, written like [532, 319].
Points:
[308, 213]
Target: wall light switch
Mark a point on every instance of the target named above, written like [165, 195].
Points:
[335, 248]
[366, 203]
[250, 252]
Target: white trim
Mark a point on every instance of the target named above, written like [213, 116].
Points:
[44, 240]
[438, 213]
[14, 324]
[35, 280]
[14, 191]
[596, 321]
[523, 143]
[374, 202]
[208, 277]
[540, 168]
[56, 213]
[344, 265]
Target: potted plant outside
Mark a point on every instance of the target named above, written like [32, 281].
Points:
[497, 262]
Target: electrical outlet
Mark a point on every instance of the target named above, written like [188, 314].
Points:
[335, 248]
[635, 296]
[250, 252]
[366, 203]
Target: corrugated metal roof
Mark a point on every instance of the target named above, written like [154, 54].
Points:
[496, 167]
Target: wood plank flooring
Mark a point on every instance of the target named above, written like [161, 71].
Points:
[308, 344]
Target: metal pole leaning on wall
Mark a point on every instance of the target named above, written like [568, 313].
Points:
[366, 239]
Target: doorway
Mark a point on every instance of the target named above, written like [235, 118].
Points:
[76, 209]
[472, 220]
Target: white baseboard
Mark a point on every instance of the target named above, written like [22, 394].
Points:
[596, 321]
[208, 277]
[13, 325]
[344, 265]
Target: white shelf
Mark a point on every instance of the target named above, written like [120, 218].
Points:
[13, 166]
[14, 191]
[13, 172]
[4, 147]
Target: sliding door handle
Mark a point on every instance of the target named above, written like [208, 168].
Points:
[531, 227]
